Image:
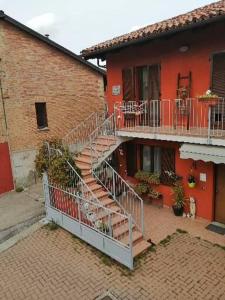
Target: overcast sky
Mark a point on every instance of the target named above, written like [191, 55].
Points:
[80, 24]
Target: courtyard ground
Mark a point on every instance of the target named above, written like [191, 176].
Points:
[52, 264]
[20, 210]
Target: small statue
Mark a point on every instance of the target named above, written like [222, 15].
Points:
[192, 208]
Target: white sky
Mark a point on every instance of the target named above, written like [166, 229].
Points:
[80, 24]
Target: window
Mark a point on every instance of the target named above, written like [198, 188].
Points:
[41, 115]
[158, 160]
[131, 158]
[141, 83]
[218, 74]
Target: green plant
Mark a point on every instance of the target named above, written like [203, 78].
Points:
[56, 165]
[145, 180]
[208, 94]
[19, 189]
[179, 195]
[52, 225]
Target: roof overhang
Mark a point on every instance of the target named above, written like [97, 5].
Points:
[205, 153]
[102, 52]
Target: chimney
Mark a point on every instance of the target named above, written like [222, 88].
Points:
[47, 35]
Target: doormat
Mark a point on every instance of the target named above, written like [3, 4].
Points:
[220, 229]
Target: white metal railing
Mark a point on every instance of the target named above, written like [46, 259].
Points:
[86, 219]
[78, 137]
[75, 184]
[192, 117]
[127, 199]
[106, 129]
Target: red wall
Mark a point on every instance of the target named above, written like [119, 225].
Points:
[203, 193]
[202, 43]
[6, 178]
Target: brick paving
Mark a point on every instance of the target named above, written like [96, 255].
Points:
[54, 265]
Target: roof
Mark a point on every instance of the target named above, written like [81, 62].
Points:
[48, 41]
[195, 18]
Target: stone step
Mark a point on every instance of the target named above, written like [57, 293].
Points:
[83, 167]
[108, 137]
[90, 181]
[99, 148]
[95, 187]
[83, 159]
[140, 247]
[104, 142]
[101, 194]
[103, 215]
[107, 202]
[136, 237]
[118, 220]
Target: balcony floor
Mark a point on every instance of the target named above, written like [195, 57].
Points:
[179, 134]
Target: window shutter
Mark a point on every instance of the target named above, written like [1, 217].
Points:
[167, 164]
[128, 88]
[131, 159]
[218, 74]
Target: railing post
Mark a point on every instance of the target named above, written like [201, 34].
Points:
[130, 240]
[142, 218]
[209, 123]
[110, 225]
[46, 190]
[114, 186]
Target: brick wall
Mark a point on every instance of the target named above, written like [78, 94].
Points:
[37, 72]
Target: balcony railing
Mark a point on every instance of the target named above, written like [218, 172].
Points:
[189, 117]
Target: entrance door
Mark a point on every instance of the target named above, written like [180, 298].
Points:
[220, 194]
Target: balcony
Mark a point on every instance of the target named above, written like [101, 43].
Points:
[190, 120]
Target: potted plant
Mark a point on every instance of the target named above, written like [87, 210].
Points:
[191, 181]
[144, 186]
[209, 98]
[179, 199]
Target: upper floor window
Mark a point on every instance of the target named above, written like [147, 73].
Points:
[218, 74]
[141, 83]
[41, 115]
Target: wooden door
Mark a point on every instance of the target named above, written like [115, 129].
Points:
[220, 194]
[131, 159]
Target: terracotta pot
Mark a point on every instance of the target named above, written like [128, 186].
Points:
[212, 101]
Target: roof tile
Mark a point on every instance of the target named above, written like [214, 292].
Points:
[196, 16]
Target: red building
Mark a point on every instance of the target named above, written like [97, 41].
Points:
[155, 77]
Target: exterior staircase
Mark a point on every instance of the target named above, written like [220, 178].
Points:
[87, 161]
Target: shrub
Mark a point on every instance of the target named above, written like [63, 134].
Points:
[56, 165]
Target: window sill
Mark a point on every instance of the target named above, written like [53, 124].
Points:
[43, 129]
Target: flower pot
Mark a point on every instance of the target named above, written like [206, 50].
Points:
[178, 211]
[191, 185]
[212, 101]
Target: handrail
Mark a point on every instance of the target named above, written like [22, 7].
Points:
[77, 138]
[87, 212]
[117, 182]
[84, 187]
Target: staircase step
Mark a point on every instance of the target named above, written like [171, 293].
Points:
[83, 166]
[118, 220]
[95, 187]
[107, 202]
[101, 194]
[88, 153]
[103, 214]
[136, 236]
[99, 148]
[108, 137]
[83, 159]
[121, 230]
[140, 247]
[102, 142]
[90, 181]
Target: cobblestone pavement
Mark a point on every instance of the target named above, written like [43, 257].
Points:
[55, 265]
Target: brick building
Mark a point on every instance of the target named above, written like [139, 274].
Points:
[46, 90]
